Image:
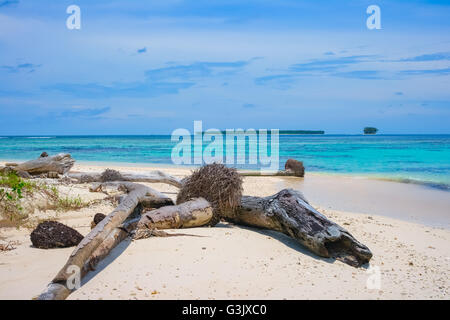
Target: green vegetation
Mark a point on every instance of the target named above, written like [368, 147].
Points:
[280, 132]
[370, 130]
[13, 189]
[302, 132]
[68, 203]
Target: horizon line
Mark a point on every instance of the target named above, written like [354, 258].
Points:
[165, 134]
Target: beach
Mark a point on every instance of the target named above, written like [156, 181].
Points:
[406, 226]
[195, 150]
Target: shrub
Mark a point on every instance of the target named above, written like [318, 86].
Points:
[12, 189]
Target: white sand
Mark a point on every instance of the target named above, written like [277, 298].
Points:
[232, 262]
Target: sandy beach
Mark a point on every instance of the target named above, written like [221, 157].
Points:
[407, 228]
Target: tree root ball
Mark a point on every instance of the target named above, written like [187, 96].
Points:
[220, 185]
[52, 234]
[111, 175]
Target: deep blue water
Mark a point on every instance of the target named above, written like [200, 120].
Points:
[410, 158]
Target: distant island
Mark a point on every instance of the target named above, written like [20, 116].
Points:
[280, 132]
[370, 130]
[302, 132]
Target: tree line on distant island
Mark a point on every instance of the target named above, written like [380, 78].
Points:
[280, 132]
[370, 130]
[367, 130]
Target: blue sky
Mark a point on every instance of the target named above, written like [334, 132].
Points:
[149, 67]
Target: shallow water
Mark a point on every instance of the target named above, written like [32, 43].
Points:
[408, 158]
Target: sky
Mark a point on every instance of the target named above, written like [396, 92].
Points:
[150, 67]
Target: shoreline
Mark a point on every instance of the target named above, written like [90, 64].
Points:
[234, 262]
[410, 202]
[407, 202]
[371, 176]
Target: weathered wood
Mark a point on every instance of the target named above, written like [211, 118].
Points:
[292, 167]
[58, 288]
[149, 177]
[280, 173]
[60, 163]
[128, 228]
[194, 213]
[112, 240]
[295, 167]
[156, 203]
[288, 212]
[150, 202]
[123, 186]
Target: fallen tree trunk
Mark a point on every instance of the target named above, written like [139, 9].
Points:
[150, 177]
[281, 173]
[194, 213]
[60, 163]
[288, 212]
[59, 288]
[112, 240]
[292, 168]
[150, 202]
[156, 203]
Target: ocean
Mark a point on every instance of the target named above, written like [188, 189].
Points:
[423, 159]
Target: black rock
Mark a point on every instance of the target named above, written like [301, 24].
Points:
[99, 217]
[44, 154]
[52, 234]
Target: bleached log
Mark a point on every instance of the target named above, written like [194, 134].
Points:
[150, 177]
[150, 202]
[194, 213]
[280, 173]
[156, 203]
[288, 212]
[112, 240]
[60, 163]
[59, 288]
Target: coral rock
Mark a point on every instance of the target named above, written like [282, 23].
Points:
[52, 234]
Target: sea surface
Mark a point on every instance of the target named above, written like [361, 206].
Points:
[423, 159]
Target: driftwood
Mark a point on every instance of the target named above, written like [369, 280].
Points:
[155, 202]
[150, 177]
[295, 167]
[194, 213]
[280, 173]
[191, 214]
[288, 212]
[112, 240]
[150, 202]
[60, 163]
[292, 167]
[58, 289]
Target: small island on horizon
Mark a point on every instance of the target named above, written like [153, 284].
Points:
[280, 132]
[370, 130]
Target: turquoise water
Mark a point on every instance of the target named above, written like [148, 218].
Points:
[409, 158]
